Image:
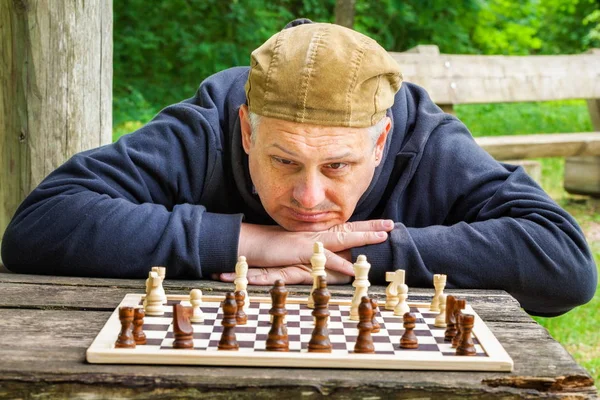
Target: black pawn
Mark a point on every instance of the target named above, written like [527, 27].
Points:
[364, 342]
[319, 340]
[466, 346]
[240, 316]
[125, 339]
[459, 305]
[374, 321]
[277, 339]
[228, 340]
[138, 322]
[409, 339]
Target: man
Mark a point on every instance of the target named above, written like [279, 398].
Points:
[318, 140]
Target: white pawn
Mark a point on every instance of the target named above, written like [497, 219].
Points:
[161, 271]
[317, 261]
[402, 306]
[241, 280]
[154, 305]
[196, 300]
[361, 283]
[440, 320]
[439, 283]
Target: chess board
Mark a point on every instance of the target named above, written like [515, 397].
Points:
[432, 354]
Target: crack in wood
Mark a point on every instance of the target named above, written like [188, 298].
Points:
[558, 384]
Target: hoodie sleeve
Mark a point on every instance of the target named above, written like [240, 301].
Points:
[119, 209]
[487, 225]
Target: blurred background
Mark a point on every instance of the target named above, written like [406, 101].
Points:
[163, 52]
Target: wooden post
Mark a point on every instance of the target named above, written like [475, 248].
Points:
[582, 174]
[55, 89]
[344, 13]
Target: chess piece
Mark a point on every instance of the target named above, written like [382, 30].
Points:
[277, 339]
[319, 340]
[240, 316]
[125, 339]
[395, 278]
[361, 284]
[154, 302]
[459, 305]
[196, 300]
[317, 261]
[182, 327]
[466, 346]
[409, 339]
[241, 280]
[138, 323]
[364, 341]
[450, 321]
[148, 289]
[439, 283]
[161, 271]
[402, 306]
[376, 327]
[440, 319]
[228, 340]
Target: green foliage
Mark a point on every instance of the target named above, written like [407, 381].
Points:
[162, 52]
[565, 29]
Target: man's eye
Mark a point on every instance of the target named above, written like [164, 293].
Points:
[337, 166]
[283, 161]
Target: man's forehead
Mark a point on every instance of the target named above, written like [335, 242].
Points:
[274, 125]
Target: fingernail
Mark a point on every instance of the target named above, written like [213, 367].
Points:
[388, 224]
[381, 234]
[227, 275]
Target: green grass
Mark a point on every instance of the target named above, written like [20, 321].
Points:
[578, 330]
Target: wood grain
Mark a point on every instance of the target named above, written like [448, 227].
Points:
[463, 79]
[55, 89]
[541, 145]
[52, 359]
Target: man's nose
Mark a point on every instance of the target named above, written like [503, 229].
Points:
[309, 191]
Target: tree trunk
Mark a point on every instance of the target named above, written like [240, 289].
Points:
[344, 13]
[55, 89]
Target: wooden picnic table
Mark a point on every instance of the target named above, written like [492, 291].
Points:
[47, 323]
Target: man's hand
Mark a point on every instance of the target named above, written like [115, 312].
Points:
[292, 275]
[272, 246]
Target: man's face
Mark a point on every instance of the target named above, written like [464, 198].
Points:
[308, 177]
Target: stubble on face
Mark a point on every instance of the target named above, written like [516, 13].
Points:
[309, 178]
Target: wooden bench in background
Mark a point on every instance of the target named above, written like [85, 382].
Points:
[454, 79]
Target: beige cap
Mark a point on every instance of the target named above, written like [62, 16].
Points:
[322, 74]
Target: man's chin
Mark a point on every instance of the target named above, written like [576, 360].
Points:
[302, 226]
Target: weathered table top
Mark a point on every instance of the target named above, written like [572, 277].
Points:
[47, 323]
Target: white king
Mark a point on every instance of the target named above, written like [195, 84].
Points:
[317, 261]
[361, 283]
[241, 280]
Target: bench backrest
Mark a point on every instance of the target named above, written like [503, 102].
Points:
[463, 79]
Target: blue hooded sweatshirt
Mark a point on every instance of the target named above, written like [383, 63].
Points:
[174, 193]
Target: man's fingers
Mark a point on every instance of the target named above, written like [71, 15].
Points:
[374, 225]
[339, 241]
[295, 275]
[337, 263]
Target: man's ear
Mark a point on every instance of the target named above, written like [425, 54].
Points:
[245, 128]
[380, 145]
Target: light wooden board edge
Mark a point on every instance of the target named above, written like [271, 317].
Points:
[102, 350]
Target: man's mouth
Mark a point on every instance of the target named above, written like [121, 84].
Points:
[308, 216]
